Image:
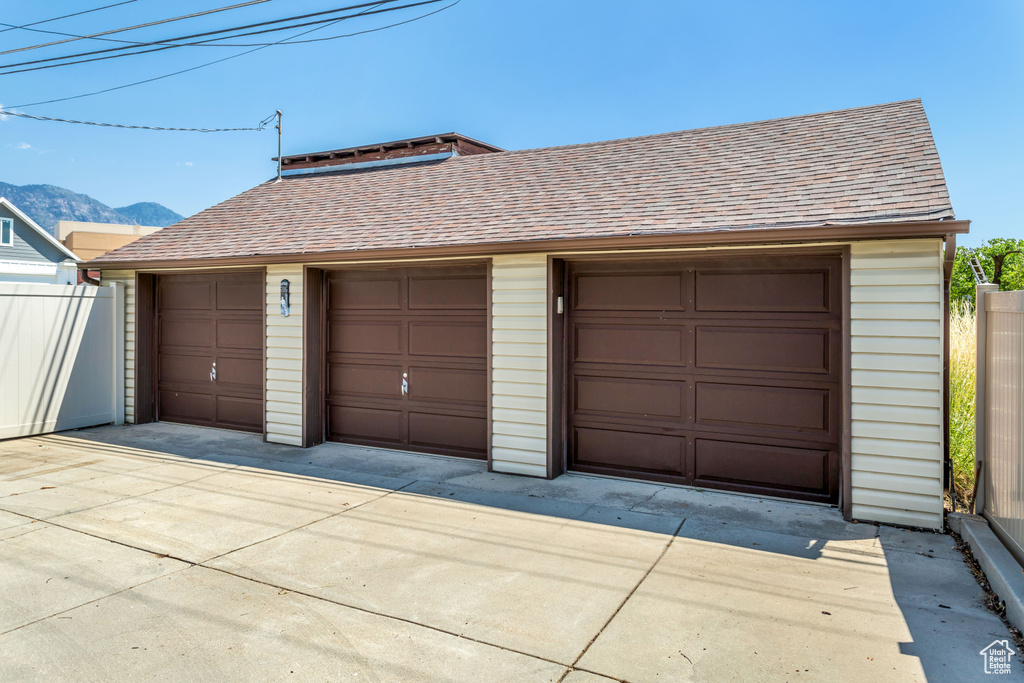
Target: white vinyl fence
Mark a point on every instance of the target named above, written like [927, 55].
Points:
[61, 357]
[1000, 414]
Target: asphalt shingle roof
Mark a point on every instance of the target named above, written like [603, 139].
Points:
[873, 164]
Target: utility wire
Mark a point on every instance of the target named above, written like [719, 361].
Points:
[65, 16]
[159, 78]
[262, 124]
[138, 26]
[349, 35]
[173, 42]
[283, 41]
[128, 44]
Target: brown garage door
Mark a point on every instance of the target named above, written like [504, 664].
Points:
[720, 373]
[205, 322]
[427, 326]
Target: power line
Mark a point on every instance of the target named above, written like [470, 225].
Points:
[173, 42]
[138, 26]
[64, 16]
[349, 35]
[128, 44]
[262, 124]
[161, 48]
[283, 41]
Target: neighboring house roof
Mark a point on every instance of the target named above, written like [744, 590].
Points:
[865, 166]
[35, 226]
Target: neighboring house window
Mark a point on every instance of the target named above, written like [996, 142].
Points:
[6, 232]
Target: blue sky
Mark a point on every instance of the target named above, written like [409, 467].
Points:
[518, 74]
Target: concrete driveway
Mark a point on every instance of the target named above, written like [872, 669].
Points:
[163, 552]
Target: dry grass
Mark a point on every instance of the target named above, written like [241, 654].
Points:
[962, 359]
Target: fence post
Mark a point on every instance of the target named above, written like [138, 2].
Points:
[118, 351]
[980, 387]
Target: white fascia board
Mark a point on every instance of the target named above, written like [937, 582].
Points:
[35, 226]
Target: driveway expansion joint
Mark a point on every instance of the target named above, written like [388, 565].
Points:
[384, 615]
[664, 551]
[97, 599]
[303, 526]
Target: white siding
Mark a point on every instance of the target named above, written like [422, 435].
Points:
[128, 278]
[519, 355]
[284, 358]
[896, 328]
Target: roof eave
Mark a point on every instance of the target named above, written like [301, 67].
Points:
[38, 228]
[706, 238]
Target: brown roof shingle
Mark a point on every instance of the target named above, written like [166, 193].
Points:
[865, 165]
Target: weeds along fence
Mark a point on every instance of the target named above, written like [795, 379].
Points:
[1000, 414]
[962, 364]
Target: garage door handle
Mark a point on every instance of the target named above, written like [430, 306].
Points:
[213, 373]
[405, 384]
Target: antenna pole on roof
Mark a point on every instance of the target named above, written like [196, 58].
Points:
[278, 145]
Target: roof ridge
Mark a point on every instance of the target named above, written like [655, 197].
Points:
[739, 124]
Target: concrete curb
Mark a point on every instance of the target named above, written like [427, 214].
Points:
[1004, 573]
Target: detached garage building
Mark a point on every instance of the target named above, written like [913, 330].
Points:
[756, 308]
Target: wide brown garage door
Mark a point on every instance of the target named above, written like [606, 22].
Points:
[407, 359]
[210, 350]
[719, 373]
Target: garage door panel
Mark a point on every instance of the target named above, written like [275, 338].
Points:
[629, 398]
[765, 349]
[786, 469]
[447, 293]
[458, 340]
[631, 345]
[239, 296]
[763, 291]
[363, 423]
[232, 334]
[186, 333]
[358, 336]
[762, 407]
[358, 379]
[241, 413]
[188, 406]
[603, 448]
[453, 385]
[176, 367]
[241, 372]
[186, 295]
[350, 292]
[630, 292]
[448, 433]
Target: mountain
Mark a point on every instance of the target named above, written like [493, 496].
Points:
[150, 213]
[47, 204]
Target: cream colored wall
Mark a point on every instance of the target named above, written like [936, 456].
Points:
[284, 358]
[127, 277]
[66, 228]
[519, 354]
[896, 337]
